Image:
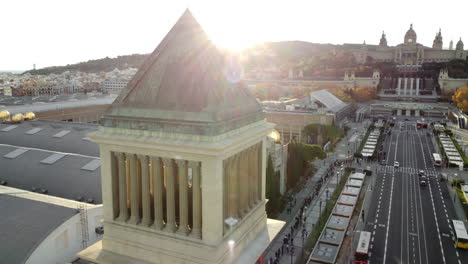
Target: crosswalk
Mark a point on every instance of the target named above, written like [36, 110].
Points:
[408, 170]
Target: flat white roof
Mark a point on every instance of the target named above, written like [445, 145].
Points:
[358, 175]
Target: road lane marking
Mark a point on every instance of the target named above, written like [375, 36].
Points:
[433, 207]
[389, 215]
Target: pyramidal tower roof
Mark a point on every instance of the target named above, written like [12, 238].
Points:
[187, 85]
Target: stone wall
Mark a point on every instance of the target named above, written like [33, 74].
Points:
[449, 86]
[291, 124]
[88, 114]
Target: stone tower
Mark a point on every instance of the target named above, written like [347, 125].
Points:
[459, 52]
[410, 36]
[363, 53]
[183, 160]
[383, 40]
[451, 45]
[437, 44]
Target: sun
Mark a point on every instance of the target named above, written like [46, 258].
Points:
[230, 36]
[230, 42]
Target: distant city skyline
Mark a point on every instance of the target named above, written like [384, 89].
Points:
[55, 33]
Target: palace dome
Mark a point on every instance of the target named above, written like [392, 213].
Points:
[459, 45]
[410, 36]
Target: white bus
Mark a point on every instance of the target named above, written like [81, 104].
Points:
[362, 251]
[461, 237]
[437, 159]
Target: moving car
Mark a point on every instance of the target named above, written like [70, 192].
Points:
[423, 184]
[422, 173]
[396, 164]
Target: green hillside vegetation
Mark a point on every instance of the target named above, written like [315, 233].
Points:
[95, 66]
[319, 61]
[272, 190]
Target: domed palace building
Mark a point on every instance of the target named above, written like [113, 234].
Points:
[410, 53]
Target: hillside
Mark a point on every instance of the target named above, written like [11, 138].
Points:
[94, 66]
[314, 60]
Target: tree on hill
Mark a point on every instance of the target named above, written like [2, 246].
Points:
[460, 98]
[94, 66]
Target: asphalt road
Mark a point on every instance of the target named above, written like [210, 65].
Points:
[411, 223]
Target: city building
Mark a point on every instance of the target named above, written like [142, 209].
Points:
[408, 54]
[291, 116]
[51, 157]
[38, 228]
[80, 108]
[113, 85]
[175, 152]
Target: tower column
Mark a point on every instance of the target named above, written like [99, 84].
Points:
[145, 190]
[233, 201]
[134, 206]
[157, 192]
[183, 197]
[255, 174]
[196, 206]
[244, 182]
[258, 170]
[123, 209]
[251, 185]
[170, 194]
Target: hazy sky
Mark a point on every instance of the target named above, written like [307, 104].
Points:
[60, 32]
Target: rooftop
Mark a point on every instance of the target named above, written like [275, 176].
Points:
[25, 223]
[331, 102]
[46, 103]
[50, 135]
[57, 159]
[185, 86]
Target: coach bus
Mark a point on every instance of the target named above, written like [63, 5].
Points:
[461, 237]
[362, 250]
[437, 159]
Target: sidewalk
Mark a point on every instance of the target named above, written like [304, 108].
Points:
[312, 213]
[461, 175]
[314, 210]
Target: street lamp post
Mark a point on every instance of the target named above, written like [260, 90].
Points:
[292, 253]
[320, 204]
